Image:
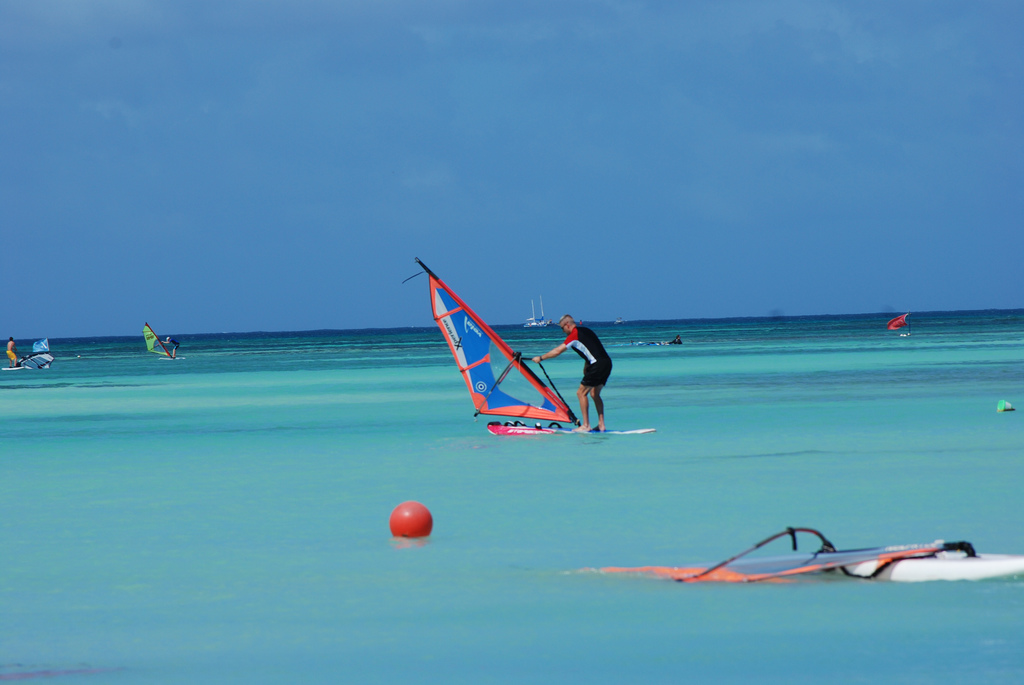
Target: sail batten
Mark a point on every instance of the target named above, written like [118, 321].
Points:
[470, 341]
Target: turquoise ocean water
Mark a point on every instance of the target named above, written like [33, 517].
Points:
[224, 518]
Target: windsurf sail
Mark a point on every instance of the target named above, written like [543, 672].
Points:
[898, 322]
[40, 357]
[36, 360]
[153, 343]
[476, 347]
[740, 570]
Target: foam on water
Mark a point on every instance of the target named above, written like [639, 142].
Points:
[224, 518]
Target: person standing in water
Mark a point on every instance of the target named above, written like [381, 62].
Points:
[597, 368]
[174, 350]
[12, 352]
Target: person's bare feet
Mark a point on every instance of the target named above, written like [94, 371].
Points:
[581, 429]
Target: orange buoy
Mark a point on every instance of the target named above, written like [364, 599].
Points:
[411, 520]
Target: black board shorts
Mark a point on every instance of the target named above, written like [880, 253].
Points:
[597, 373]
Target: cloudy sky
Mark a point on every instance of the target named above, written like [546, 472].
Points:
[268, 165]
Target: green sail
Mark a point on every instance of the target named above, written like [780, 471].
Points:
[153, 343]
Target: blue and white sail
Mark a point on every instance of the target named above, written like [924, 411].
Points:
[40, 357]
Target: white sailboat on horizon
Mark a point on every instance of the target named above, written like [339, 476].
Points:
[533, 320]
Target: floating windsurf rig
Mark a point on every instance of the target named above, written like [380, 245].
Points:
[153, 343]
[36, 360]
[475, 347]
[907, 563]
[40, 357]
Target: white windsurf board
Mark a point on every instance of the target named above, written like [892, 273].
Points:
[500, 429]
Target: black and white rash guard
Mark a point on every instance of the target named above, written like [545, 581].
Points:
[584, 341]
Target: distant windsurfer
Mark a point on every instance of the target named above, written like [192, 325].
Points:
[174, 350]
[597, 368]
[12, 352]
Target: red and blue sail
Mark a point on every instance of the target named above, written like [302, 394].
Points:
[472, 342]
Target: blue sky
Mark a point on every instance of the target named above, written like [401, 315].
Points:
[266, 165]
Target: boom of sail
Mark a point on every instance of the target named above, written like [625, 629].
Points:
[474, 345]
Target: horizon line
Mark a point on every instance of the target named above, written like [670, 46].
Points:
[770, 317]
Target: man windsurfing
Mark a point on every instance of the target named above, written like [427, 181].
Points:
[174, 350]
[12, 352]
[597, 368]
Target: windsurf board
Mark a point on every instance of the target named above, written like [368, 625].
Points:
[501, 429]
[945, 566]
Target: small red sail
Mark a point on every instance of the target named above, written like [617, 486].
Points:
[898, 322]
